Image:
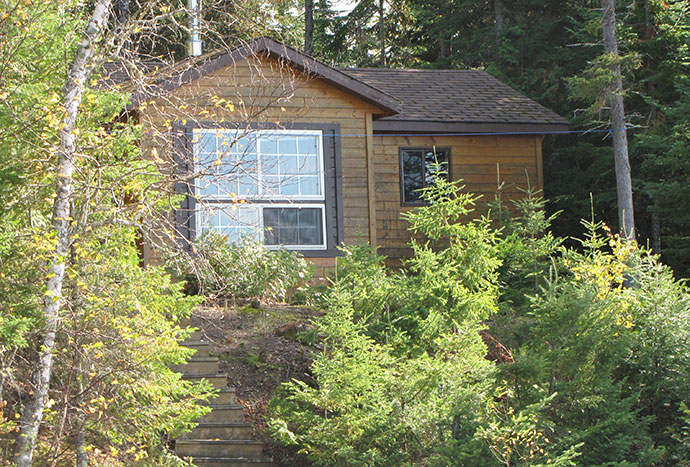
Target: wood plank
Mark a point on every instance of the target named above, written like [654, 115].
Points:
[371, 180]
[540, 165]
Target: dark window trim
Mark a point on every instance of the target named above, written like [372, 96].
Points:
[186, 220]
[449, 157]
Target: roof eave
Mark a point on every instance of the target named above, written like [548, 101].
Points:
[416, 126]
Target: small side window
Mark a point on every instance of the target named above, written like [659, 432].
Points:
[418, 166]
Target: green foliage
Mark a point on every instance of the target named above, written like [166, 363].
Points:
[119, 345]
[403, 378]
[595, 373]
[589, 341]
[243, 269]
[119, 324]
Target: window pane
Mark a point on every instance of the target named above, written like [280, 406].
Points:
[434, 162]
[270, 185]
[308, 216]
[293, 226]
[288, 165]
[269, 144]
[227, 185]
[309, 236]
[205, 142]
[206, 187]
[248, 186]
[308, 165]
[269, 164]
[289, 185]
[287, 145]
[413, 172]
[308, 145]
[233, 221]
[242, 146]
[309, 185]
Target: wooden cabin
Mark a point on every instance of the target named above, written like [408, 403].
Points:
[310, 157]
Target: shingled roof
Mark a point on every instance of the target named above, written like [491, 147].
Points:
[188, 70]
[443, 101]
[456, 100]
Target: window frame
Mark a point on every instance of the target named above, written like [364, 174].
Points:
[330, 163]
[262, 195]
[260, 224]
[401, 149]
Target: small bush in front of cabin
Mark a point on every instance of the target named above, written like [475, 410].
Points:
[219, 269]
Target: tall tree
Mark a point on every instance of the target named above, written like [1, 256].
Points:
[500, 16]
[382, 33]
[626, 216]
[309, 27]
[73, 92]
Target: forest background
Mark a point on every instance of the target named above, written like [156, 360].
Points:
[552, 52]
[592, 360]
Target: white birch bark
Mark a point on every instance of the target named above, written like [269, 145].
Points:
[32, 415]
[626, 217]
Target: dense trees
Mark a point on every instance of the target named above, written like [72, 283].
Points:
[574, 367]
[553, 52]
[584, 367]
[97, 331]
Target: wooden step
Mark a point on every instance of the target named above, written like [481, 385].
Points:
[221, 430]
[198, 366]
[218, 381]
[218, 448]
[224, 413]
[225, 396]
[195, 336]
[202, 348]
[232, 461]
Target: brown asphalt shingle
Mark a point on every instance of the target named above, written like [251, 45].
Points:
[467, 96]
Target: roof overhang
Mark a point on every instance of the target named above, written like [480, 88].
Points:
[425, 127]
[388, 104]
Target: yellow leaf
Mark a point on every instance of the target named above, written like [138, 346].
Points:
[154, 154]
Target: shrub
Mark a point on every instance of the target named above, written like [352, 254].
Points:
[403, 378]
[243, 269]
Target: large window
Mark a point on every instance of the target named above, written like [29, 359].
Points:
[418, 169]
[265, 183]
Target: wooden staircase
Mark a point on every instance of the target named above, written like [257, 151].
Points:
[222, 437]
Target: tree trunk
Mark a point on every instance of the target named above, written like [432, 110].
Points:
[656, 231]
[32, 415]
[620, 139]
[82, 454]
[382, 34]
[309, 27]
[500, 19]
[121, 11]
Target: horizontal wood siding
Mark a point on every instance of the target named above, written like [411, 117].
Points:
[477, 160]
[265, 91]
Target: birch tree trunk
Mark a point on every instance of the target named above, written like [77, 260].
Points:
[626, 217]
[309, 27]
[32, 415]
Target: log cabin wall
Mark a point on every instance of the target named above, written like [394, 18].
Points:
[264, 90]
[476, 160]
